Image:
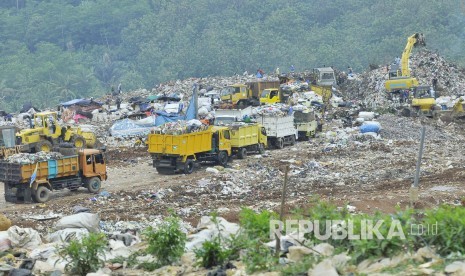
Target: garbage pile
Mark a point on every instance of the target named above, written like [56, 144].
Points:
[274, 110]
[31, 158]
[180, 127]
[368, 88]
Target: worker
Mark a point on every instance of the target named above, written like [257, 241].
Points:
[118, 103]
[349, 70]
[432, 92]
[119, 88]
[259, 73]
[277, 71]
[292, 68]
[435, 83]
[397, 60]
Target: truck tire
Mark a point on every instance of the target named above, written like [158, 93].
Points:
[93, 184]
[43, 145]
[261, 148]
[189, 166]
[222, 158]
[78, 141]
[292, 140]
[279, 143]
[242, 153]
[41, 195]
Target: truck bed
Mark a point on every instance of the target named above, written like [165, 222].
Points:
[21, 173]
[244, 135]
[183, 144]
[278, 126]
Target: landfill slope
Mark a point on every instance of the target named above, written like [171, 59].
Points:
[368, 88]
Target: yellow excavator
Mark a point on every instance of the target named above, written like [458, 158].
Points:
[399, 78]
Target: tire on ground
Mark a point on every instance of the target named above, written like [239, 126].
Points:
[93, 184]
[41, 194]
[242, 153]
[189, 166]
[222, 158]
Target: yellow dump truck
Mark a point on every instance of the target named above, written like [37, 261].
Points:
[34, 182]
[247, 138]
[179, 152]
[243, 95]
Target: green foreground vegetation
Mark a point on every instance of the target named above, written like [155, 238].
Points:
[166, 243]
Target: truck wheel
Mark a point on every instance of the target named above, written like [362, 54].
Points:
[280, 143]
[93, 184]
[189, 166]
[222, 158]
[43, 145]
[78, 141]
[41, 195]
[292, 140]
[261, 148]
[242, 154]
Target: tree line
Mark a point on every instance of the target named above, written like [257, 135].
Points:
[57, 50]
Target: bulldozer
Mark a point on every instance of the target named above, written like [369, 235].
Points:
[45, 133]
[420, 103]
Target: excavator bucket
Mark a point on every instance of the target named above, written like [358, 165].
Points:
[420, 40]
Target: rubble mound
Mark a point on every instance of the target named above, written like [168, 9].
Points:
[368, 88]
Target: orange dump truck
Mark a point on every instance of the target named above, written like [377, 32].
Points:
[86, 169]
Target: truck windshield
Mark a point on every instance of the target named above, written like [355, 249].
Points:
[301, 117]
[226, 91]
[265, 93]
[7, 138]
[327, 76]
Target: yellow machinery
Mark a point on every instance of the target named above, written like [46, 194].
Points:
[247, 138]
[46, 133]
[8, 141]
[172, 153]
[422, 102]
[399, 78]
[274, 95]
[243, 95]
[86, 169]
[322, 83]
[306, 124]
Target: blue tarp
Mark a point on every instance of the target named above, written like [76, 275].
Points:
[163, 117]
[80, 102]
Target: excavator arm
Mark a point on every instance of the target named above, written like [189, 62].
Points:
[414, 40]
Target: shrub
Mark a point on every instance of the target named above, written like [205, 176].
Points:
[258, 257]
[167, 242]
[256, 226]
[212, 253]
[448, 224]
[86, 255]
